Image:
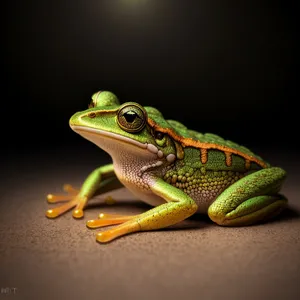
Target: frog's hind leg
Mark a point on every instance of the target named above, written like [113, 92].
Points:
[252, 199]
[179, 206]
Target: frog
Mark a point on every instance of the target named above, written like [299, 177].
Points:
[176, 171]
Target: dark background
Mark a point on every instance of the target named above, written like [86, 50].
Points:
[227, 67]
[222, 67]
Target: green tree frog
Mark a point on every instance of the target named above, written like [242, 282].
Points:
[177, 171]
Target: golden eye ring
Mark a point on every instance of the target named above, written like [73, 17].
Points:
[131, 117]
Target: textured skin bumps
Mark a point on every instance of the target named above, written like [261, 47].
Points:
[250, 199]
[202, 185]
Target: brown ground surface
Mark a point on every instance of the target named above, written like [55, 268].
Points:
[60, 259]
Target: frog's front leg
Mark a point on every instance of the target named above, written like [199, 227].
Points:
[99, 181]
[179, 206]
[252, 199]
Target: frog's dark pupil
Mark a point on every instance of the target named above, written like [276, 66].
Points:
[159, 135]
[130, 116]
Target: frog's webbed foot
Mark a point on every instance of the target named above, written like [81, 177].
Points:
[107, 220]
[71, 192]
[128, 225]
[101, 180]
[72, 199]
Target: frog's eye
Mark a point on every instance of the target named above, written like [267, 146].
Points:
[103, 98]
[132, 117]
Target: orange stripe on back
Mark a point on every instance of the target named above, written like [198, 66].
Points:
[186, 142]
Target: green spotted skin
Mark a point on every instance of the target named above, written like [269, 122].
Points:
[201, 185]
[204, 182]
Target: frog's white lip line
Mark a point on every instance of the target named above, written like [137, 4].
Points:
[109, 134]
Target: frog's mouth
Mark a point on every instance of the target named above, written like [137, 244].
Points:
[97, 136]
[114, 143]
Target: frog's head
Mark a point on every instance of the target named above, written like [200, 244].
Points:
[125, 131]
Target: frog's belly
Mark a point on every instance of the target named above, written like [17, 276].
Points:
[145, 195]
[203, 203]
[150, 198]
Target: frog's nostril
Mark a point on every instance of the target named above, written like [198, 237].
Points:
[92, 115]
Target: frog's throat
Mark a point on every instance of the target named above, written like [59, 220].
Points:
[94, 135]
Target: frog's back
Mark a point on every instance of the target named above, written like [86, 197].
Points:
[210, 148]
[210, 144]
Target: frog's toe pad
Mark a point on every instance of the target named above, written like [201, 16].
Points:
[93, 224]
[51, 213]
[58, 198]
[104, 237]
[77, 214]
